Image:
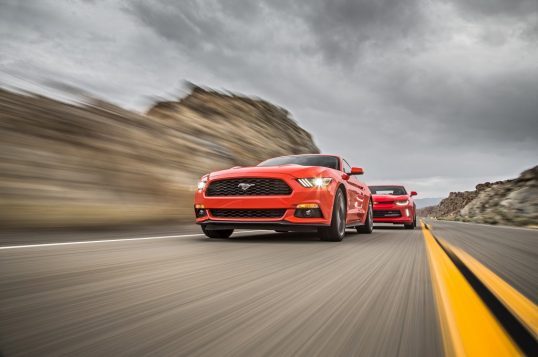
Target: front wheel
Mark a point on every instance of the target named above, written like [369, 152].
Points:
[412, 225]
[368, 225]
[220, 233]
[336, 231]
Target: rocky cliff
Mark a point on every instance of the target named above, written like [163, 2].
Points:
[95, 163]
[510, 202]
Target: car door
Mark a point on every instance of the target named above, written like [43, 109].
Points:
[364, 198]
[355, 195]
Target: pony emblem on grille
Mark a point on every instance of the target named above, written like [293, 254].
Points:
[245, 186]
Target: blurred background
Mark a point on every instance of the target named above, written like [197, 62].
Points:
[99, 125]
[92, 163]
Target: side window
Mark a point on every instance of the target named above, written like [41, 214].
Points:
[347, 167]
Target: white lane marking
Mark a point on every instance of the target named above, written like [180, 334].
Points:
[109, 240]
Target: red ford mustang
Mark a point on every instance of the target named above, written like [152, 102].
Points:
[392, 204]
[289, 193]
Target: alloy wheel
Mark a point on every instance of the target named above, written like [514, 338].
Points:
[370, 217]
[340, 217]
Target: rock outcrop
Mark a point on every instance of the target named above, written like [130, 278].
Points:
[95, 163]
[509, 202]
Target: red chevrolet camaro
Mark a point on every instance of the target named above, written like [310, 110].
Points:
[289, 193]
[392, 204]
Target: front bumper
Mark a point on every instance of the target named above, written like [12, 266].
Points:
[386, 213]
[275, 225]
[323, 197]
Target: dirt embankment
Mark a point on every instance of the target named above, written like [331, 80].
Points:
[509, 202]
[98, 164]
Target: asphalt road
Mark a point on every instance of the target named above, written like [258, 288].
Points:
[252, 295]
[511, 253]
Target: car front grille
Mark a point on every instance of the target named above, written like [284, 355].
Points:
[248, 187]
[384, 202]
[247, 213]
[386, 214]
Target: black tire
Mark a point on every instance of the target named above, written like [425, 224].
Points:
[221, 233]
[412, 225]
[336, 231]
[368, 225]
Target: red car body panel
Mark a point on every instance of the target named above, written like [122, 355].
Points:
[385, 206]
[358, 196]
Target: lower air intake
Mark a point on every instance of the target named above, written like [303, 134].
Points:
[247, 213]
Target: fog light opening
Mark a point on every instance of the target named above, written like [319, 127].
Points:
[308, 212]
[200, 211]
[307, 205]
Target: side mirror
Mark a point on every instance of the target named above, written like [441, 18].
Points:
[356, 171]
[414, 193]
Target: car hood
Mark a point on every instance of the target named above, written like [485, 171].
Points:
[385, 198]
[252, 171]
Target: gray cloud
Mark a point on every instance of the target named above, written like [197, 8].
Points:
[345, 28]
[499, 107]
[437, 94]
[518, 17]
[497, 8]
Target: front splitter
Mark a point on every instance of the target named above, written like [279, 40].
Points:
[278, 225]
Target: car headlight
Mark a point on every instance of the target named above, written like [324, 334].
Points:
[316, 182]
[201, 184]
[402, 203]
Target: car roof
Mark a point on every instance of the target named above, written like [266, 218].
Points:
[387, 184]
[310, 155]
[338, 156]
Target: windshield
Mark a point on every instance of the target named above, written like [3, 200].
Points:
[331, 162]
[388, 190]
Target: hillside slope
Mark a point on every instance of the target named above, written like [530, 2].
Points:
[509, 202]
[96, 163]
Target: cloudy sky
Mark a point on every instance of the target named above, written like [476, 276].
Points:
[435, 94]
